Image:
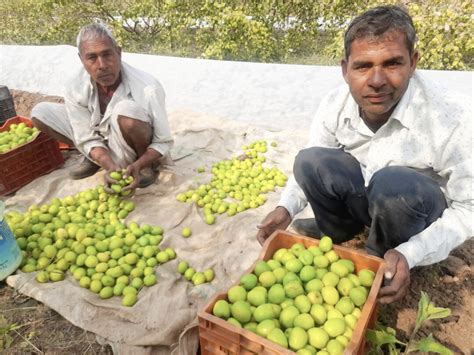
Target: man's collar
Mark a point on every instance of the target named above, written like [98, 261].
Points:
[350, 111]
[123, 83]
[400, 112]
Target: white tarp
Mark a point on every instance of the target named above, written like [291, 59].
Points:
[274, 95]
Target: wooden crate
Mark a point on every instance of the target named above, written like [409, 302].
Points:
[217, 336]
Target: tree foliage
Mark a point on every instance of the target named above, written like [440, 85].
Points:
[255, 30]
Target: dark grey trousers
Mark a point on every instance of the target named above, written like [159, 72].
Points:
[398, 203]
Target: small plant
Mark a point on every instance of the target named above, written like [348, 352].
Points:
[5, 329]
[386, 336]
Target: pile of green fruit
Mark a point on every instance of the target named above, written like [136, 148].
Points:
[305, 299]
[122, 182]
[85, 234]
[236, 184]
[16, 135]
[196, 277]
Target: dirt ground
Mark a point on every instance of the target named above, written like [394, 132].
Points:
[448, 284]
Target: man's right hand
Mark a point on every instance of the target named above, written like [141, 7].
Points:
[279, 218]
[102, 157]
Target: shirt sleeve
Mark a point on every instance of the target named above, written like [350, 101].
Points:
[162, 140]
[85, 138]
[456, 223]
[322, 134]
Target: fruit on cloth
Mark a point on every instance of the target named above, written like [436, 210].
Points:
[84, 235]
[198, 277]
[186, 232]
[237, 184]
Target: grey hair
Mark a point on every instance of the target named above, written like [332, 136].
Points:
[94, 31]
[376, 22]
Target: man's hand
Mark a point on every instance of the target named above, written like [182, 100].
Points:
[279, 218]
[397, 277]
[133, 170]
[108, 180]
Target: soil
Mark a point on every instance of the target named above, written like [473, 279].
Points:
[448, 284]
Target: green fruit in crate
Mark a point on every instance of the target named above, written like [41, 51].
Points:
[366, 277]
[304, 321]
[16, 135]
[335, 347]
[265, 327]
[318, 337]
[350, 320]
[314, 285]
[319, 314]
[303, 303]
[288, 315]
[236, 293]
[358, 295]
[278, 337]
[248, 281]
[276, 294]
[330, 295]
[344, 286]
[298, 338]
[335, 326]
[221, 309]
[257, 296]
[240, 310]
[306, 303]
[263, 312]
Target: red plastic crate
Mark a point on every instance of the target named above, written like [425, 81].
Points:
[30, 160]
[217, 336]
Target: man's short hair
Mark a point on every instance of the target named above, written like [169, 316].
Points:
[378, 21]
[94, 31]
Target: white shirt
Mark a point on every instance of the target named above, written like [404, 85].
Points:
[428, 131]
[90, 127]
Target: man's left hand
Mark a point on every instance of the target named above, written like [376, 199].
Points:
[133, 170]
[397, 277]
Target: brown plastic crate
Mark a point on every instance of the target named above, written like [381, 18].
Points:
[28, 161]
[217, 336]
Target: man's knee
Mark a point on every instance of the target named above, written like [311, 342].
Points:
[311, 160]
[42, 112]
[130, 110]
[398, 187]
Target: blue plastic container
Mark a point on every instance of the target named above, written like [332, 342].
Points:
[10, 255]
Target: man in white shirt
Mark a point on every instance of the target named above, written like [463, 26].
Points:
[388, 151]
[113, 114]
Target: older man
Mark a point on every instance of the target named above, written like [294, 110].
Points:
[387, 151]
[113, 114]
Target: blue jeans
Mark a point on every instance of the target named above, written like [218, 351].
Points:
[398, 203]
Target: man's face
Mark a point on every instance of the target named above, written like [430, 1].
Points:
[101, 60]
[378, 71]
